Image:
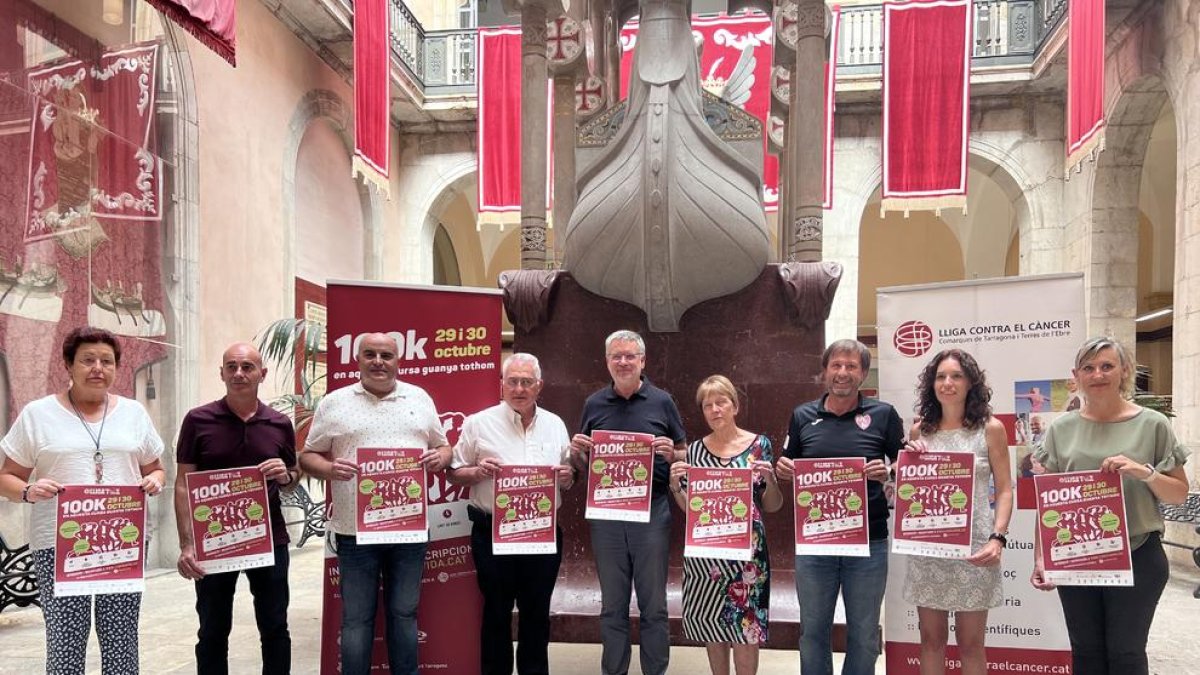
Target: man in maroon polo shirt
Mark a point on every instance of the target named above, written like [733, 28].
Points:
[231, 432]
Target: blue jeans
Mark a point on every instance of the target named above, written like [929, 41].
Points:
[861, 581]
[634, 556]
[362, 568]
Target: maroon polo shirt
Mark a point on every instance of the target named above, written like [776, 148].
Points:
[214, 437]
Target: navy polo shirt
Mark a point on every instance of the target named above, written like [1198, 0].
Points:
[214, 437]
[649, 411]
[872, 430]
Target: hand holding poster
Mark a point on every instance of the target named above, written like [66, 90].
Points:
[720, 505]
[524, 510]
[1082, 526]
[391, 496]
[100, 534]
[830, 497]
[933, 504]
[230, 526]
[619, 476]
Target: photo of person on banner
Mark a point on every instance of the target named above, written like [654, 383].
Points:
[514, 431]
[377, 411]
[726, 603]
[83, 435]
[1110, 625]
[954, 406]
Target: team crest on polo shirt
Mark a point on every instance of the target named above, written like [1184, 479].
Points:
[863, 421]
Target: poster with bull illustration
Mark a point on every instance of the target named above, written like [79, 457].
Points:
[933, 504]
[619, 476]
[831, 507]
[390, 497]
[524, 510]
[230, 522]
[1083, 530]
[100, 536]
[720, 505]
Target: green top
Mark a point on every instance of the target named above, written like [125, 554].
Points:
[1073, 443]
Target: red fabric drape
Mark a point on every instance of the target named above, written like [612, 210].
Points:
[212, 22]
[724, 39]
[372, 93]
[830, 106]
[1085, 80]
[498, 66]
[926, 76]
[129, 176]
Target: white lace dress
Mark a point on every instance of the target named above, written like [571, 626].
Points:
[956, 585]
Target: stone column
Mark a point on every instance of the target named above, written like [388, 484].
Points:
[612, 59]
[533, 135]
[564, 150]
[805, 133]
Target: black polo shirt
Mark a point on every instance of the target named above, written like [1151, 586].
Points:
[872, 430]
[649, 411]
[214, 437]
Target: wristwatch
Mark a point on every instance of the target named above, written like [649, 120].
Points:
[25, 493]
[1000, 537]
[1152, 470]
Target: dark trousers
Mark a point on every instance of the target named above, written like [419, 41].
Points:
[528, 581]
[1109, 626]
[214, 604]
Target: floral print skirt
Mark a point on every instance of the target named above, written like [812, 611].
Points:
[728, 600]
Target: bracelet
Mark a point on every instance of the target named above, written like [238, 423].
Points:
[291, 479]
[25, 493]
[1153, 473]
[1000, 538]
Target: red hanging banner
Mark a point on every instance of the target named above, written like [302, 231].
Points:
[926, 82]
[372, 142]
[212, 22]
[498, 68]
[1085, 80]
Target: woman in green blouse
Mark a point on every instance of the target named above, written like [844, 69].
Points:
[1109, 626]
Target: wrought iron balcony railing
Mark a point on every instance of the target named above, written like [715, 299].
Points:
[441, 61]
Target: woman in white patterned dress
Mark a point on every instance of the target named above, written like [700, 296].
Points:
[955, 414]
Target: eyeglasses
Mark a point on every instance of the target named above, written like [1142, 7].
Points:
[523, 382]
[92, 361]
[618, 358]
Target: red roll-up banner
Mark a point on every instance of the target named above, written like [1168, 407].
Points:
[372, 89]
[1085, 80]
[449, 345]
[926, 82]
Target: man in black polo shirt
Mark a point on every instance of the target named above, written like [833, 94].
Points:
[238, 431]
[625, 551]
[843, 423]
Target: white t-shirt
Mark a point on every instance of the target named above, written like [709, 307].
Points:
[497, 432]
[352, 418]
[51, 440]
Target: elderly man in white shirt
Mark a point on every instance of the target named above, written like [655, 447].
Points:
[515, 431]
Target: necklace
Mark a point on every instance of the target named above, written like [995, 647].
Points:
[98, 456]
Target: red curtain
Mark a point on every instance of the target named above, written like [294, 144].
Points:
[1085, 80]
[926, 76]
[212, 22]
[372, 93]
[498, 66]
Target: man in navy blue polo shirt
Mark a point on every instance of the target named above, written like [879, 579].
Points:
[633, 552]
[843, 423]
[238, 430]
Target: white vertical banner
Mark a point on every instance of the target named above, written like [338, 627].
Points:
[1024, 332]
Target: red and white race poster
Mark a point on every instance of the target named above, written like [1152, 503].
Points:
[720, 508]
[831, 507]
[933, 504]
[100, 537]
[524, 510]
[619, 476]
[230, 524]
[390, 496]
[1083, 530]
[449, 345]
